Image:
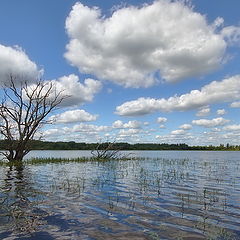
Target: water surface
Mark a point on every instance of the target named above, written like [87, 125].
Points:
[158, 195]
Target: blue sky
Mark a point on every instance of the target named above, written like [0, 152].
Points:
[137, 71]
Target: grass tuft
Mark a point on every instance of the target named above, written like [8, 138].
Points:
[52, 160]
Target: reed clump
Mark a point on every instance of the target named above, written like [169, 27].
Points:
[52, 160]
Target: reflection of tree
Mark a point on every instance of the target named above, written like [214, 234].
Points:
[18, 200]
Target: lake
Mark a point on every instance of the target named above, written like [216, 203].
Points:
[156, 195]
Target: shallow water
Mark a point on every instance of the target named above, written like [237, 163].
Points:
[161, 195]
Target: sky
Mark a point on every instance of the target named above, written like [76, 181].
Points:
[136, 71]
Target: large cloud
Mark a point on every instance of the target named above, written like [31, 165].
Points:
[14, 61]
[134, 45]
[217, 91]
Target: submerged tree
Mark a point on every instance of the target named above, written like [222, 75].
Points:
[108, 151]
[23, 111]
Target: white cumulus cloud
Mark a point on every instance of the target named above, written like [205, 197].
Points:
[78, 92]
[210, 123]
[186, 126]
[175, 138]
[221, 111]
[215, 92]
[235, 127]
[178, 132]
[72, 116]
[80, 132]
[88, 128]
[128, 132]
[235, 105]
[14, 61]
[161, 120]
[135, 44]
[232, 35]
[131, 124]
[203, 112]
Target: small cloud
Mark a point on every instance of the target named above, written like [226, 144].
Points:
[235, 105]
[73, 116]
[234, 127]
[232, 35]
[161, 120]
[176, 137]
[210, 123]
[178, 132]
[78, 92]
[186, 126]
[221, 111]
[128, 132]
[88, 128]
[131, 124]
[216, 130]
[203, 112]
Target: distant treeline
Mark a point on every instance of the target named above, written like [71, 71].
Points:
[44, 145]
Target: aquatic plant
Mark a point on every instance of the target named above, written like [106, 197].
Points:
[108, 151]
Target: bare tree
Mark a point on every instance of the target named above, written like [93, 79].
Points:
[23, 110]
[108, 151]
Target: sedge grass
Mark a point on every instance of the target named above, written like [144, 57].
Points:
[52, 160]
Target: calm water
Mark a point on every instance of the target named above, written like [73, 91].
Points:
[161, 195]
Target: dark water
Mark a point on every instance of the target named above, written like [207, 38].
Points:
[161, 195]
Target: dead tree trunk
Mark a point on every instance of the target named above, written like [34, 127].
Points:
[23, 110]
